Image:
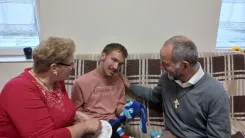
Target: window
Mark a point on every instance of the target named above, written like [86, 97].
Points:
[18, 24]
[231, 30]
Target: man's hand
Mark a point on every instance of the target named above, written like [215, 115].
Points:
[124, 79]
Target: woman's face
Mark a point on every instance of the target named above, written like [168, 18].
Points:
[64, 68]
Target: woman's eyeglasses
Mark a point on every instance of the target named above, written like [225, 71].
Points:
[70, 65]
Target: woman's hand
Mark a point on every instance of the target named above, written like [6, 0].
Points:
[93, 127]
[85, 129]
[80, 117]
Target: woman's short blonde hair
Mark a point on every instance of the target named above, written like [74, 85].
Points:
[52, 50]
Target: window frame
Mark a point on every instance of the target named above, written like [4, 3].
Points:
[224, 48]
[18, 51]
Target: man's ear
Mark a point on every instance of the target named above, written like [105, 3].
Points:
[103, 56]
[186, 65]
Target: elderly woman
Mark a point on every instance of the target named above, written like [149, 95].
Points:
[36, 103]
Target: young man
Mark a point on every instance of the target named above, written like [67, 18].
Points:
[195, 103]
[101, 93]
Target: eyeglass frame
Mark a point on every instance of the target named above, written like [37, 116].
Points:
[72, 65]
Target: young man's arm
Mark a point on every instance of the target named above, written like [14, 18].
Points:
[121, 104]
[218, 124]
[77, 96]
[77, 99]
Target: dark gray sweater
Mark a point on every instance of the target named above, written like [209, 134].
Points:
[204, 109]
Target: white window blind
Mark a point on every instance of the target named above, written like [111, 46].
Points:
[18, 24]
[231, 30]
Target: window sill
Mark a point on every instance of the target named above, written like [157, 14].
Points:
[14, 59]
[223, 49]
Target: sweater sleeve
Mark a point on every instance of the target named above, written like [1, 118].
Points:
[152, 95]
[218, 125]
[28, 112]
[77, 96]
[121, 103]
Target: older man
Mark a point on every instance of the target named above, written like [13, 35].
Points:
[195, 104]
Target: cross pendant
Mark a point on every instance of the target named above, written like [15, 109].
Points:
[176, 103]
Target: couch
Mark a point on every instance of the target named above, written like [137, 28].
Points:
[144, 69]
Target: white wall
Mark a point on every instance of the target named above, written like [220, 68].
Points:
[10, 70]
[141, 25]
